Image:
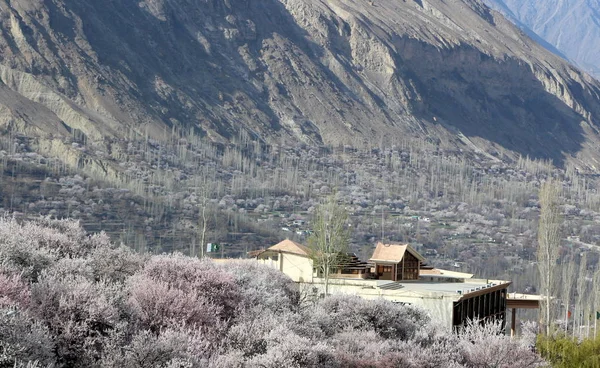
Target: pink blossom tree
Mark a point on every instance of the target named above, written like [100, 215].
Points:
[178, 289]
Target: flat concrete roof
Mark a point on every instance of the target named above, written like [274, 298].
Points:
[450, 287]
[523, 301]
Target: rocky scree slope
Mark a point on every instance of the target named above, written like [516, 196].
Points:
[319, 72]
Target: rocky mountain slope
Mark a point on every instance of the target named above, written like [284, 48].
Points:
[572, 27]
[313, 71]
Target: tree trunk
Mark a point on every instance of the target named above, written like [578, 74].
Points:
[326, 273]
[203, 231]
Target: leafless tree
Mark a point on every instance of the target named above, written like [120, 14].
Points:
[548, 243]
[329, 242]
[204, 188]
[596, 299]
[568, 275]
[581, 294]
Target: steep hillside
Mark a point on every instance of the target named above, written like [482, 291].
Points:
[313, 71]
[572, 26]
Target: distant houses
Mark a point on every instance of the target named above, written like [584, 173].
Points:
[398, 273]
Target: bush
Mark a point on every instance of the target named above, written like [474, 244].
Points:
[71, 300]
[23, 340]
[360, 348]
[115, 264]
[13, 291]
[173, 347]
[263, 286]
[387, 319]
[286, 349]
[78, 312]
[565, 352]
[32, 247]
[175, 289]
[487, 346]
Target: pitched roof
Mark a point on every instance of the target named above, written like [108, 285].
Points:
[256, 253]
[393, 253]
[291, 247]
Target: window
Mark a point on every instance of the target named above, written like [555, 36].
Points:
[409, 268]
[381, 269]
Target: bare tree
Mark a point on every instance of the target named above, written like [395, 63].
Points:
[568, 274]
[329, 242]
[596, 293]
[203, 222]
[548, 243]
[204, 189]
[581, 293]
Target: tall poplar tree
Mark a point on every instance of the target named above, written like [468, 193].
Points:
[548, 244]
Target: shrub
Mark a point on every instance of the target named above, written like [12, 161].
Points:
[23, 340]
[173, 347]
[264, 287]
[250, 332]
[70, 300]
[20, 250]
[78, 312]
[178, 289]
[566, 352]
[115, 264]
[387, 319]
[13, 291]
[487, 346]
[33, 246]
[286, 349]
[360, 349]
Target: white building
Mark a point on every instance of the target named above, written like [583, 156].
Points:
[397, 273]
[288, 257]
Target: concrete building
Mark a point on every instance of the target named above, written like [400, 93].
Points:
[398, 273]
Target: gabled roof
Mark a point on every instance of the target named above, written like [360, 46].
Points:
[393, 253]
[256, 253]
[289, 246]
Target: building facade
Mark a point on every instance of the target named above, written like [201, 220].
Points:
[398, 273]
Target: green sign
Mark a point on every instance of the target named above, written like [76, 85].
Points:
[212, 247]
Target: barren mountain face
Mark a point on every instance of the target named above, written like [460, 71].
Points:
[571, 26]
[331, 71]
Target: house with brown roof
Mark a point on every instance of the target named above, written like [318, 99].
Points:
[294, 260]
[396, 262]
[397, 272]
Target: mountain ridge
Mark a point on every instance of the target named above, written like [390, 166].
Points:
[318, 72]
[570, 29]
